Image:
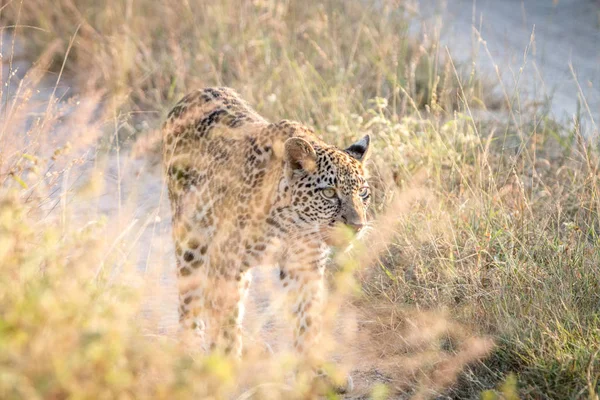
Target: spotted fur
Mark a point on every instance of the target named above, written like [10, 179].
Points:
[245, 192]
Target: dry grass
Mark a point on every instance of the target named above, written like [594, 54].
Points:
[480, 275]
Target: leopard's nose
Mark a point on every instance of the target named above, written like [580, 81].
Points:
[356, 226]
[353, 218]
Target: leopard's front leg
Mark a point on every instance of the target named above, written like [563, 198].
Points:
[302, 276]
[305, 287]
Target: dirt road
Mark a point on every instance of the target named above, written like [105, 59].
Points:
[533, 43]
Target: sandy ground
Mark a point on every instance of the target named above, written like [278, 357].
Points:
[565, 32]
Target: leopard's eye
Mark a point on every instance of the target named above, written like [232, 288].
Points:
[329, 192]
[364, 192]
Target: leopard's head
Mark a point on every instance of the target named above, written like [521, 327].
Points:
[328, 185]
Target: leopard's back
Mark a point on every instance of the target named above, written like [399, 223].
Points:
[222, 161]
[206, 121]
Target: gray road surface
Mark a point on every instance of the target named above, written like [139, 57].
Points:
[564, 32]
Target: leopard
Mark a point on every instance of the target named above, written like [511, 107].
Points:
[246, 192]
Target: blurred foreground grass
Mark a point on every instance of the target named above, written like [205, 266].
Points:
[487, 224]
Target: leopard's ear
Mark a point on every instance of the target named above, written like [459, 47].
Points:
[300, 155]
[360, 150]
